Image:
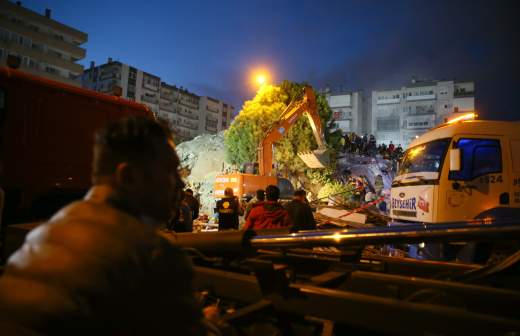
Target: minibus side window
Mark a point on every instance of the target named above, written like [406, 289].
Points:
[479, 157]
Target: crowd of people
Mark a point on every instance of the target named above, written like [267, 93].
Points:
[265, 211]
[367, 145]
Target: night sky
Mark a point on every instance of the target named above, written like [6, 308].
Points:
[211, 47]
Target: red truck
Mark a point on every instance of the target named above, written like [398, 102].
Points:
[46, 138]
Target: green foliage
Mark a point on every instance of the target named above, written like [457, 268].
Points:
[249, 127]
[335, 190]
[259, 114]
[321, 176]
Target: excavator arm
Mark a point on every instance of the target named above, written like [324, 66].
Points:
[307, 106]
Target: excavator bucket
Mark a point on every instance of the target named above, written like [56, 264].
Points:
[318, 158]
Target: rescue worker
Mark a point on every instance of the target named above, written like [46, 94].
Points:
[228, 209]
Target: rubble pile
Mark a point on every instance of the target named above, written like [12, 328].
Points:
[203, 160]
[370, 167]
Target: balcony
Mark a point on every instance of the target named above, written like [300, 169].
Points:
[38, 72]
[148, 99]
[41, 56]
[167, 95]
[188, 114]
[387, 124]
[420, 111]
[388, 101]
[149, 86]
[463, 93]
[421, 97]
[183, 102]
[211, 109]
[189, 125]
[21, 29]
[109, 75]
[211, 119]
[419, 122]
[211, 128]
[166, 105]
[166, 109]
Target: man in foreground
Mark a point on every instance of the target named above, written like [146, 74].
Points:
[98, 266]
[270, 214]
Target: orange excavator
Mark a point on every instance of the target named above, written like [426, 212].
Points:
[246, 184]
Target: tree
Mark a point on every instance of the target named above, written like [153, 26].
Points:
[251, 124]
[257, 115]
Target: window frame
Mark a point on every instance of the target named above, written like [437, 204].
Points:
[472, 176]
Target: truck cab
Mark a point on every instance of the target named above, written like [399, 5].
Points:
[459, 171]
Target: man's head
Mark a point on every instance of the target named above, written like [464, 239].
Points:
[300, 195]
[260, 194]
[136, 157]
[188, 192]
[228, 192]
[272, 193]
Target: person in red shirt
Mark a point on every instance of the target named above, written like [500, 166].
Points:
[270, 214]
[391, 147]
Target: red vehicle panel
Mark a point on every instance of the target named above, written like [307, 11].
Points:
[46, 130]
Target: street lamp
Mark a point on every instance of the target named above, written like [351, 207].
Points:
[261, 79]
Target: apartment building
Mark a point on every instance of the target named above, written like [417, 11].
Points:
[43, 46]
[347, 109]
[216, 114]
[186, 113]
[400, 115]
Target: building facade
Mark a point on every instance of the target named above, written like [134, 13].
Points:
[401, 115]
[188, 117]
[216, 114]
[186, 113]
[347, 109]
[44, 47]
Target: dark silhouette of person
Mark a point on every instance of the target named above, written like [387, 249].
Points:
[300, 212]
[192, 202]
[99, 266]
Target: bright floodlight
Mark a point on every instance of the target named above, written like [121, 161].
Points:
[261, 79]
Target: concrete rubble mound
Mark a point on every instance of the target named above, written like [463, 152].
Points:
[203, 160]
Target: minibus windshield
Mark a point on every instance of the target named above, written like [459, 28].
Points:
[427, 157]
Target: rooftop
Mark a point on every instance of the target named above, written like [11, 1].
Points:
[18, 9]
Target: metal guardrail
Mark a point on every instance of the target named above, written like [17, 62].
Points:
[249, 241]
[470, 231]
